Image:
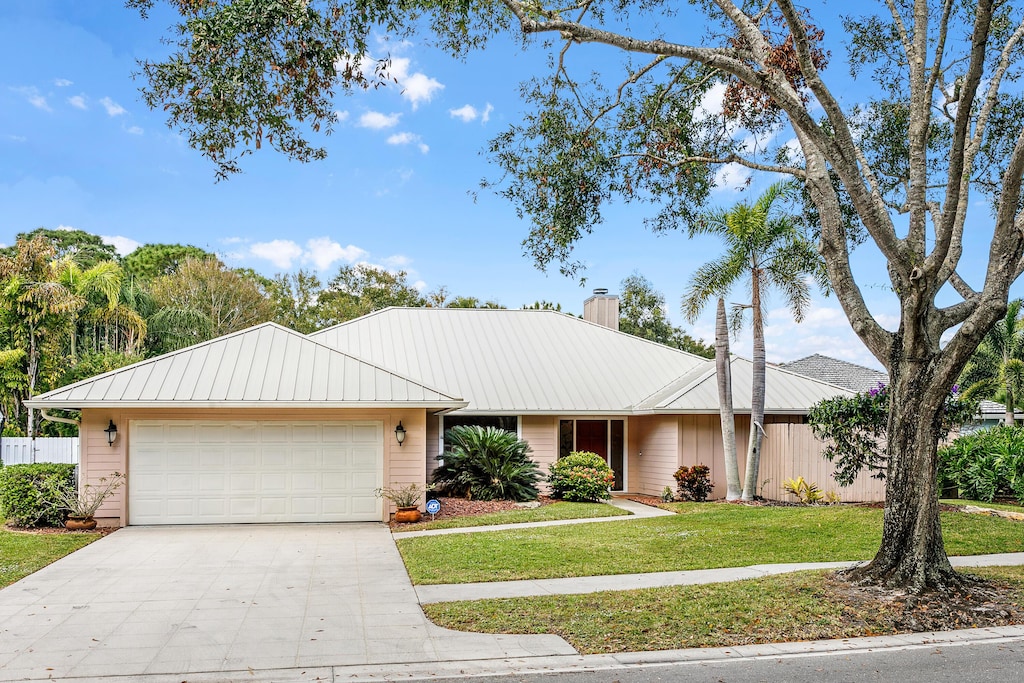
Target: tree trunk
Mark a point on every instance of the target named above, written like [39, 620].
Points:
[757, 391]
[912, 555]
[33, 373]
[723, 369]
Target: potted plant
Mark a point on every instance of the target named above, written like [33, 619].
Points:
[406, 499]
[81, 506]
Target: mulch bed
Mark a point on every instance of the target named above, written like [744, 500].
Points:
[979, 604]
[460, 507]
[53, 530]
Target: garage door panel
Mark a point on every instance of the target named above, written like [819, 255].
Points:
[254, 471]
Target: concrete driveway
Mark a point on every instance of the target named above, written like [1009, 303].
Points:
[175, 600]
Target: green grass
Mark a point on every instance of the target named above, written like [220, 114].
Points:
[701, 536]
[545, 513]
[993, 506]
[800, 606]
[22, 553]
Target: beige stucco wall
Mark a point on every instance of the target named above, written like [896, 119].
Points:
[653, 454]
[402, 465]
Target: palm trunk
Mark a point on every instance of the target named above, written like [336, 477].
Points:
[723, 369]
[912, 554]
[757, 392]
[1011, 407]
[33, 371]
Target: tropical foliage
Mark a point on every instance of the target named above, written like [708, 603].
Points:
[766, 249]
[581, 476]
[854, 429]
[487, 463]
[996, 370]
[27, 493]
[985, 464]
[694, 483]
[642, 314]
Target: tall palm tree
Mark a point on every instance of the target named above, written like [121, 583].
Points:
[996, 370]
[765, 248]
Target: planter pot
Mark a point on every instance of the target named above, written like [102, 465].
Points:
[80, 524]
[408, 515]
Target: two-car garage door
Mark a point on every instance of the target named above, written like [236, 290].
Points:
[218, 471]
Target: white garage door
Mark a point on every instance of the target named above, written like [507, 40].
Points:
[214, 472]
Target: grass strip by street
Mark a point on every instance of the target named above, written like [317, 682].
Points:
[545, 513]
[701, 536]
[791, 607]
[24, 552]
[1009, 507]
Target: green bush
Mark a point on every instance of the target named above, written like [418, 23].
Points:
[25, 498]
[581, 476]
[985, 464]
[694, 483]
[487, 463]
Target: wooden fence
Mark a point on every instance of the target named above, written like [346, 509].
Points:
[791, 450]
[20, 449]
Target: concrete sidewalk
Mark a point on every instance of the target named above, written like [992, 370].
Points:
[636, 511]
[620, 582]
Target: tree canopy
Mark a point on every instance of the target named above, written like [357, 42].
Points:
[642, 314]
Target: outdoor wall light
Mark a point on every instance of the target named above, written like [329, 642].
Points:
[111, 433]
[399, 433]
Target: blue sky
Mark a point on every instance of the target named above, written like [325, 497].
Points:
[81, 150]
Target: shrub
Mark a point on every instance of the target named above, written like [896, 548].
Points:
[985, 464]
[581, 476]
[694, 483]
[487, 463]
[26, 497]
[806, 492]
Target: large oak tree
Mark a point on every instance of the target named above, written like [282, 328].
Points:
[939, 127]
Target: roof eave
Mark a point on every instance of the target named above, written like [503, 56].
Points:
[132, 405]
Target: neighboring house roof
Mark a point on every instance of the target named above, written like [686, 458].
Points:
[515, 361]
[856, 378]
[263, 366]
[785, 392]
[860, 379]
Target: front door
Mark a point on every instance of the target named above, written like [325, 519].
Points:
[604, 437]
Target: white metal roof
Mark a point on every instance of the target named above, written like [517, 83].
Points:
[263, 366]
[515, 361]
[785, 391]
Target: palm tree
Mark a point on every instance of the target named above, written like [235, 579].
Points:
[765, 248]
[996, 370]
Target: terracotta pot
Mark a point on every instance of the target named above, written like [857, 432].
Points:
[80, 524]
[408, 515]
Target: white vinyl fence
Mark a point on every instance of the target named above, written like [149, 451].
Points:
[21, 449]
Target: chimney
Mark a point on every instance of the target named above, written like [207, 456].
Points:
[602, 308]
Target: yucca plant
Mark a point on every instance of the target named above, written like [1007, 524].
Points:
[487, 463]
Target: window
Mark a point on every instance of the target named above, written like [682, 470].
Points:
[510, 423]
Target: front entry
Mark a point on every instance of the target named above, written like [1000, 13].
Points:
[604, 437]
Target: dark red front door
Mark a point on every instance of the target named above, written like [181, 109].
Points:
[592, 435]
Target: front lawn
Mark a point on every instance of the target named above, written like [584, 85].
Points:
[544, 513]
[1009, 507]
[792, 607]
[22, 553]
[701, 536]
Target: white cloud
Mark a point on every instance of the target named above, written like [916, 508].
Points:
[398, 261]
[341, 116]
[486, 116]
[33, 97]
[112, 107]
[419, 88]
[279, 252]
[16, 138]
[123, 245]
[711, 102]
[466, 112]
[66, 228]
[378, 121]
[732, 177]
[135, 130]
[62, 82]
[419, 285]
[78, 102]
[231, 240]
[323, 252]
[407, 139]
